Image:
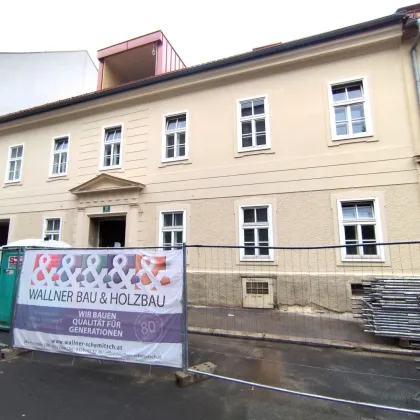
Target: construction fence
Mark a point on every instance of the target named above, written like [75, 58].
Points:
[344, 297]
[322, 295]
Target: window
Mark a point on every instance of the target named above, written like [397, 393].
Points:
[349, 110]
[253, 124]
[175, 137]
[59, 158]
[257, 288]
[52, 229]
[257, 292]
[357, 289]
[360, 224]
[14, 165]
[256, 232]
[172, 234]
[112, 147]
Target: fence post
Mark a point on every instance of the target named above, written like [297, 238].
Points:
[15, 295]
[185, 308]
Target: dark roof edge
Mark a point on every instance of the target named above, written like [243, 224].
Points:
[213, 65]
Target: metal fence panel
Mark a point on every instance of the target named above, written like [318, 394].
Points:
[313, 296]
[305, 294]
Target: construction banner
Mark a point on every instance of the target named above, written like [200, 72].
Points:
[120, 304]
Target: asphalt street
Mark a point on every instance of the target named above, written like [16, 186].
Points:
[42, 386]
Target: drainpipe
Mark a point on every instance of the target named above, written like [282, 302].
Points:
[415, 61]
[416, 71]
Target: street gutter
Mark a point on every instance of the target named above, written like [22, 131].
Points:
[315, 342]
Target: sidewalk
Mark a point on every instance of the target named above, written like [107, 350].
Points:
[341, 330]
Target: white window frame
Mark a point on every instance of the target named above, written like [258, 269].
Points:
[367, 108]
[270, 256]
[239, 120]
[54, 139]
[9, 159]
[179, 158]
[161, 227]
[102, 154]
[45, 224]
[378, 231]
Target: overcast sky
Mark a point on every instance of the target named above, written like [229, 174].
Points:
[199, 30]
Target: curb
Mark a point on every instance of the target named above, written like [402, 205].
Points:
[344, 345]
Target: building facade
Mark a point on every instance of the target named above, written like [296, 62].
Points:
[309, 143]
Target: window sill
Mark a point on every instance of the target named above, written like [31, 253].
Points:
[58, 178]
[245, 153]
[338, 141]
[363, 260]
[256, 263]
[164, 164]
[269, 261]
[112, 168]
[253, 148]
[12, 184]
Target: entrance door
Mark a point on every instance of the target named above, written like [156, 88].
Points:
[4, 231]
[112, 232]
[107, 232]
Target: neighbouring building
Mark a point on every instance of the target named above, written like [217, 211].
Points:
[310, 142]
[34, 78]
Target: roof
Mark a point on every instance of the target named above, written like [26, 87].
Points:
[131, 43]
[410, 8]
[213, 65]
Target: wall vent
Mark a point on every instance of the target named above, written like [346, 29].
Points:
[257, 292]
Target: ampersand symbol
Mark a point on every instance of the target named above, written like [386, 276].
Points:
[91, 273]
[146, 270]
[43, 263]
[65, 273]
[119, 279]
[102, 299]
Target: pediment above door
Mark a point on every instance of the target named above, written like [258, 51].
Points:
[106, 183]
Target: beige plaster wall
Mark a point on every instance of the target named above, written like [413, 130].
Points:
[301, 175]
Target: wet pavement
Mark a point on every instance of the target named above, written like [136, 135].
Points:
[42, 386]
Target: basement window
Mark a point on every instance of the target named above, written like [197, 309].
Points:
[257, 288]
[357, 289]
